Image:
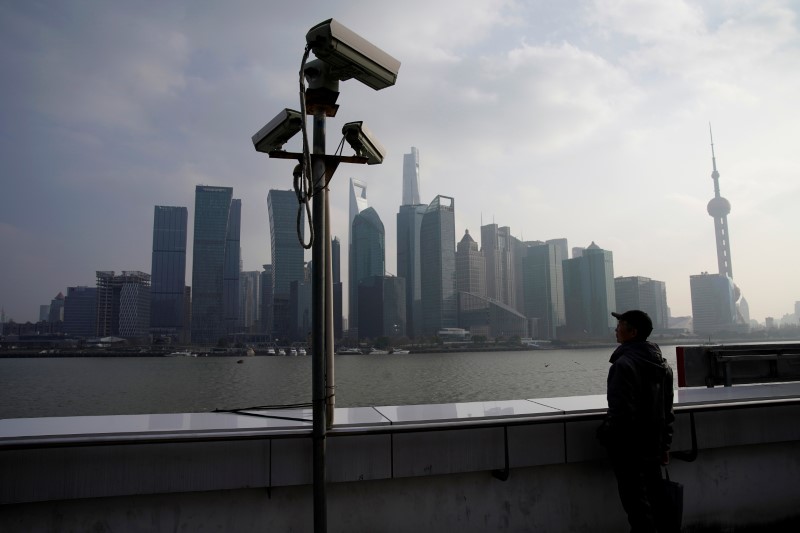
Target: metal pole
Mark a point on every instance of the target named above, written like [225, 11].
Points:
[318, 325]
[330, 388]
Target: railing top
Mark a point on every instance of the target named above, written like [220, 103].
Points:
[289, 423]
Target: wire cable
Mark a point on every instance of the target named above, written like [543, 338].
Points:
[303, 182]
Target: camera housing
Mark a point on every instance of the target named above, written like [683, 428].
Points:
[352, 56]
[361, 139]
[278, 131]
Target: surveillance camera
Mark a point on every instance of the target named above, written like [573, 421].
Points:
[278, 131]
[363, 142]
[352, 56]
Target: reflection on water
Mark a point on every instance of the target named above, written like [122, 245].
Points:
[117, 385]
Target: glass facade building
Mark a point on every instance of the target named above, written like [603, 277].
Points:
[589, 294]
[80, 311]
[543, 285]
[367, 256]
[212, 220]
[713, 304]
[649, 295]
[438, 266]
[470, 266]
[287, 256]
[382, 307]
[409, 223]
[168, 271]
[411, 177]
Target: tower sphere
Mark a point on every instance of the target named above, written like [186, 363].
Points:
[718, 207]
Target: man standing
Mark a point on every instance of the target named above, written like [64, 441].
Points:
[637, 430]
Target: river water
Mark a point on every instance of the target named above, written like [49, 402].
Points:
[38, 387]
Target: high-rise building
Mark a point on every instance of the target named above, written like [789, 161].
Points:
[543, 285]
[250, 301]
[168, 271]
[336, 269]
[367, 256]
[577, 251]
[123, 304]
[266, 300]
[713, 303]
[287, 256]
[358, 202]
[56, 313]
[215, 226]
[470, 266]
[589, 295]
[498, 249]
[231, 269]
[744, 310]
[438, 268]
[409, 223]
[80, 311]
[381, 304]
[411, 177]
[562, 245]
[649, 295]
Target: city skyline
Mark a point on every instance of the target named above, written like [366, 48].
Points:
[587, 122]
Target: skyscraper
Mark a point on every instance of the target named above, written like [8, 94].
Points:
[266, 299]
[470, 267]
[367, 255]
[589, 294]
[212, 232]
[287, 256]
[713, 303]
[409, 223]
[543, 285]
[497, 248]
[411, 178]
[168, 271]
[123, 304]
[358, 202]
[250, 301]
[438, 266]
[80, 311]
[336, 269]
[638, 292]
[231, 269]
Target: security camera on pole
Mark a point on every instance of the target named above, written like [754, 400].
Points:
[341, 55]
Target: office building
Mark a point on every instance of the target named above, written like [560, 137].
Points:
[713, 303]
[381, 305]
[367, 257]
[470, 267]
[230, 271]
[266, 300]
[638, 292]
[215, 227]
[589, 295]
[498, 249]
[250, 301]
[438, 266]
[56, 313]
[287, 256]
[80, 311]
[411, 178]
[123, 304]
[543, 287]
[336, 269]
[409, 223]
[168, 271]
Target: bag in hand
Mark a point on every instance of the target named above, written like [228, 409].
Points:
[670, 504]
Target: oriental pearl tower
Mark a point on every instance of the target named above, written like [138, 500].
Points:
[718, 208]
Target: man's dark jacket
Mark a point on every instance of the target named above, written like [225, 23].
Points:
[639, 420]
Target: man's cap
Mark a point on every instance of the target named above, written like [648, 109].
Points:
[638, 319]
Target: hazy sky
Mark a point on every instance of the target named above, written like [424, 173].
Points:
[585, 120]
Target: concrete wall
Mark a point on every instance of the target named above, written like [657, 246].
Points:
[745, 475]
